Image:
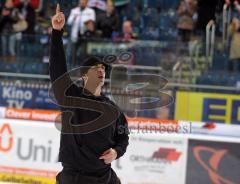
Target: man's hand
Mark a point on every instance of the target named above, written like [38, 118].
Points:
[109, 155]
[58, 20]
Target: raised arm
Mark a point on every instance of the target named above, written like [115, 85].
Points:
[57, 61]
[61, 81]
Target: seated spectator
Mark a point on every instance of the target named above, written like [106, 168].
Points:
[185, 23]
[108, 21]
[234, 30]
[90, 32]
[127, 32]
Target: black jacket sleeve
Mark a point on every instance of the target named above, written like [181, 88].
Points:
[57, 66]
[60, 78]
[121, 136]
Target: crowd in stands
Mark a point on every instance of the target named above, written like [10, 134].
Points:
[88, 20]
[25, 32]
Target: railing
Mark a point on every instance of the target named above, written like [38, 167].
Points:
[210, 41]
[172, 84]
[157, 57]
[226, 22]
[32, 53]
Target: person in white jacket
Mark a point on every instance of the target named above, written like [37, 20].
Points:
[78, 16]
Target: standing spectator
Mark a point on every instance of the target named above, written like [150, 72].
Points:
[108, 21]
[234, 5]
[1, 7]
[237, 5]
[78, 16]
[27, 9]
[234, 30]
[185, 23]
[10, 16]
[206, 12]
[231, 2]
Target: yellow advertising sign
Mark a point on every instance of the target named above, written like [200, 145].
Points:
[18, 178]
[207, 107]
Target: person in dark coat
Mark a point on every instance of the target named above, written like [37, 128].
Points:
[10, 16]
[108, 21]
[91, 33]
[86, 149]
[206, 12]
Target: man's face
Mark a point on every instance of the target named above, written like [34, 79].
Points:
[90, 26]
[127, 27]
[83, 3]
[110, 8]
[96, 74]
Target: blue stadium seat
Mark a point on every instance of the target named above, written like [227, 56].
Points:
[147, 57]
[9, 67]
[166, 4]
[34, 68]
[220, 62]
[218, 79]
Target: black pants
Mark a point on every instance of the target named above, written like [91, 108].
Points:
[70, 176]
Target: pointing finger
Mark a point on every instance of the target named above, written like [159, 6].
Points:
[57, 8]
[106, 152]
[102, 157]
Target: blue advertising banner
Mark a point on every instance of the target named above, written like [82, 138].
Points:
[25, 96]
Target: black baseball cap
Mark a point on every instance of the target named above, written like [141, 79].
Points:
[92, 61]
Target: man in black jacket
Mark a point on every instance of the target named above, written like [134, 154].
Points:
[94, 130]
[108, 21]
